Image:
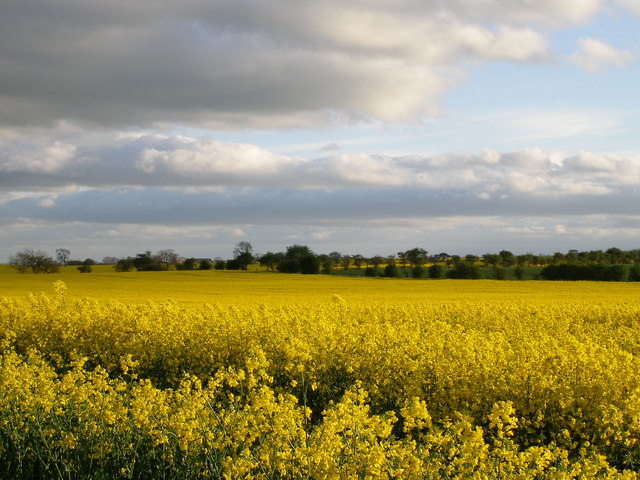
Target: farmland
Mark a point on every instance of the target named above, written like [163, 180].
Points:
[251, 288]
[222, 374]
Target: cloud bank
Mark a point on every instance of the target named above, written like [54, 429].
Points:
[151, 178]
[248, 64]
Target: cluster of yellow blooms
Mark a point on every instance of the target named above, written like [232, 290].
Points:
[331, 390]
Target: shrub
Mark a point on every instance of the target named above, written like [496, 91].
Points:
[371, 272]
[418, 271]
[436, 271]
[391, 270]
[464, 270]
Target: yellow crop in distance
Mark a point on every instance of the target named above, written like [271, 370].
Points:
[251, 288]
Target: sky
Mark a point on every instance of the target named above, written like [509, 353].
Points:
[368, 126]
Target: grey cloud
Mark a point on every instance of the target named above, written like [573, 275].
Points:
[330, 147]
[269, 206]
[248, 63]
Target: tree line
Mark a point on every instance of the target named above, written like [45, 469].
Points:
[603, 265]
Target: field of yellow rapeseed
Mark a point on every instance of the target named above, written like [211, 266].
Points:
[253, 288]
[243, 375]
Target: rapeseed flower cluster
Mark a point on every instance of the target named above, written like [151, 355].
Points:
[333, 389]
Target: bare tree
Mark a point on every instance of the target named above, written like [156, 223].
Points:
[38, 260]
[63, 255]
[166, 258]
[21, 261]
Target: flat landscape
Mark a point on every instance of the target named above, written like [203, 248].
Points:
[319, 240]
[219, 374]
[259, 287]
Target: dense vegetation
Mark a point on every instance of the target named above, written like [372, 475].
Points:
[534, 386]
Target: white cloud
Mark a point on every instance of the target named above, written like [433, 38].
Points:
[199, 165]
[632, 5]
[594, 55]
[611, 168]
[46, 159]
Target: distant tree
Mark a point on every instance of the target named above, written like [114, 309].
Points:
[36, 260]
[109, 260]
[415, 256]
[326, 263]
[499, 273]
[165, 259]
[335, 256]
[371, 271]
[234, 264]
[346, 261]
[219, 264]
[297, 251]
[543, 259]
[596, 256]
[358, 260]
[86, 266]
[243, 255]
[470, 258]
[21, 261]
[491, 259]
[634, 255]
[376, 261]
[518, 272]
[634, 273]
[464, 270]
[289, 265]
[309, 264]
[435, 271]
[271, 260]
[418, 271]
[145, 262]
[125, 265]
[572, 256]
[205, 265]
[63, 255]
[391, 270]
[441, 257]
[615, 255]
[299, 259]
[507, 259]
[402, 257]
[189, 264]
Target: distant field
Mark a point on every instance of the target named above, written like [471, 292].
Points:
[249, 288]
